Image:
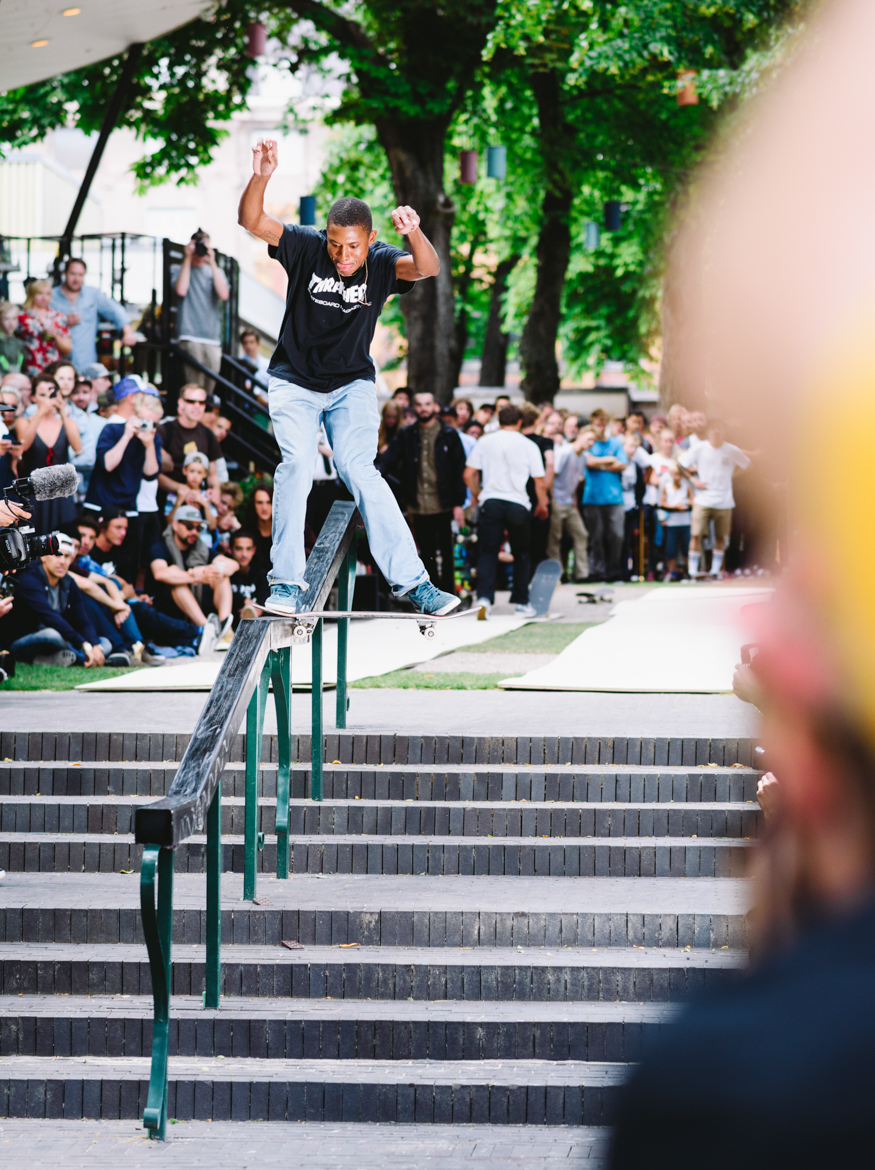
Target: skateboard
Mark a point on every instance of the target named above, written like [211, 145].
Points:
[305, 623]
[543, 585]
[594, 596]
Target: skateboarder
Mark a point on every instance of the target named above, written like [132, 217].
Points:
[339, 279]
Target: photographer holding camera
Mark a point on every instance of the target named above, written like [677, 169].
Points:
[128, 452]
[200, 284]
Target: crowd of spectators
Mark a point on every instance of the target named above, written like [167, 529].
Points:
[492, 492]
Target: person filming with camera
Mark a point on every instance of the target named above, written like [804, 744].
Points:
[200, 285]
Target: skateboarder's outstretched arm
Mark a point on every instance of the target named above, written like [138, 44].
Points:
[251, 213]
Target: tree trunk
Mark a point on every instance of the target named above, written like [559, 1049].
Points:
[493, 360]
[416, 159]
[538, 342]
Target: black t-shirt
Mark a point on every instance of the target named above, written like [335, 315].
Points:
[544, 445]
[249, 586]
[330, 320]
[180, 441]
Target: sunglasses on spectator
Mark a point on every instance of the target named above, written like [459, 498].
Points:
[191, 525]
[196, 401]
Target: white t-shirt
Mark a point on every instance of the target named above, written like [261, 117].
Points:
[714, 466]
[660, 464]
[505, 460]
[673, 497]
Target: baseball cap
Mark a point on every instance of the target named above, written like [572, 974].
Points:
[95, 370]
[187, 512]
[196, 457]
[132, 384]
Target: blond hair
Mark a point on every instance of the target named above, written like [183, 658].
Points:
[34, 289]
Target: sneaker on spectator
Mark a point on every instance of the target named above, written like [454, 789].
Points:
[248, 612]
[484, 605]
[527, 611]
[284, 599]
[118, 658]
[209, 637]
[226, 626]
[59, 658]
[429, 599]
[150, 656]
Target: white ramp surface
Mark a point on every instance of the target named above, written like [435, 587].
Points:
[682, 639]
[375, 647]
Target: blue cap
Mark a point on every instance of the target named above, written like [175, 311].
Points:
[132, 384]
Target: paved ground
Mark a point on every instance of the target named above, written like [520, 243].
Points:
[106, 1145]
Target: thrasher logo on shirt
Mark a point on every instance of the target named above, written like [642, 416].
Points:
[353, 294]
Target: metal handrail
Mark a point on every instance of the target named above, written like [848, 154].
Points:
[260, 654]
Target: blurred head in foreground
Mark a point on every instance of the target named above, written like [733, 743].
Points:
[769, 320]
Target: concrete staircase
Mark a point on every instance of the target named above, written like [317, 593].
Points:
[477, 930]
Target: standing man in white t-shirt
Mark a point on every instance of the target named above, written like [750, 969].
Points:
[714, 463]
[497, 473]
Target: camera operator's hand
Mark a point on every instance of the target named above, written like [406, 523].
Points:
[188, 250]
[5, 444]
[147, 438]
[8, 516]
[93, 655]
[5, 605]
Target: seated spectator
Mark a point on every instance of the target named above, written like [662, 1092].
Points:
[84, 307]
[164, 635]
[43, 331]
[47, 438]
[219, 426]
[249, 584]
[49, 624]
[184, 434]
[99, 377]
[259, 521]
[90, 425]
[11, 347]
[128, 454]
[186, 583]
[194, 472]
[230, 499]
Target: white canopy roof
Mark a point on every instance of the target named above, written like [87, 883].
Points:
[100, 29]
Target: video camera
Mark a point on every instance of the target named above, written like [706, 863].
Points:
[19, 546]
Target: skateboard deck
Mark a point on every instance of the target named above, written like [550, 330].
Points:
[543, 585]
[594, 596]
[305, 622]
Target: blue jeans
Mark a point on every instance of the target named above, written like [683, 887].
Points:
[48, 641]
[351, 423]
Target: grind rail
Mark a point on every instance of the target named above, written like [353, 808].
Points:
[260, 655]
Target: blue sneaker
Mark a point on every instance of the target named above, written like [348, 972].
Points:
[284, 599]
[429, 599]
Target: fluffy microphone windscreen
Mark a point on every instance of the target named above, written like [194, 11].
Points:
[51, 482]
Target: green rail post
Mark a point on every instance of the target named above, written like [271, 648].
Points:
[254, 727]
[214, 896]
[345, 589]
[316, 714]
[281, 676]
[157, 930]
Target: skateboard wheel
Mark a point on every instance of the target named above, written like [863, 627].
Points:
[300, 632]
[429, 631]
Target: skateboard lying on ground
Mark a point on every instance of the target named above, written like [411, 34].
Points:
[543, 584]
[594, 596]
[305, 622]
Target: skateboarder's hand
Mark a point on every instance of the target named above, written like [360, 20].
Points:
[405, 220]
[264, 157]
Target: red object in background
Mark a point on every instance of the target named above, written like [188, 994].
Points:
[468, 166]
[256, 39]
[687, 96]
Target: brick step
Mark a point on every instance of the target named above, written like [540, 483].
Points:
[88, 814]
[363, 747]
[326, 1030]
[390, 973]
[533, 1092]
[226, 1145]
[467, 856]
[376, 910]
[422, 783]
